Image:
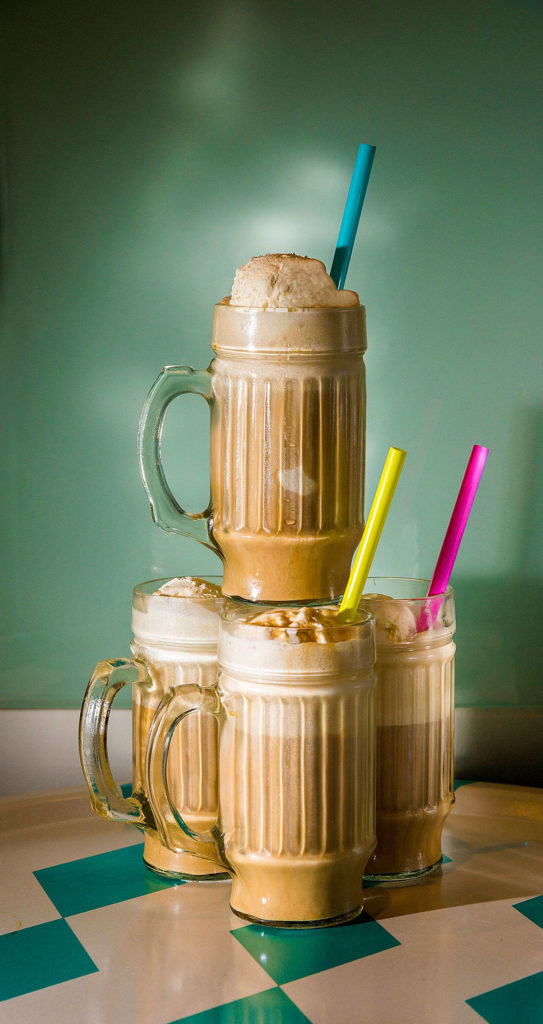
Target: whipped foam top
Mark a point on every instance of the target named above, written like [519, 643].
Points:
[185, 610]
[414, 668]
[287, 281]
[267, 644]
[189, 586]
[411, 680]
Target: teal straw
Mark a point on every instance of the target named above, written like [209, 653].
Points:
[351, 213]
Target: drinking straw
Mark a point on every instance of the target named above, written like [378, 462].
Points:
[455, 532]
[459, 518]
[351, 213]
[372, 532]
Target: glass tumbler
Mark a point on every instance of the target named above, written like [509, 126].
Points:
[296, 818]
[415, 724]
[287, 398]
[174, 645]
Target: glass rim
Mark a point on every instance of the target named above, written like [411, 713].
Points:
[235, 615]
[449, 592]
[141, 591]
[224, 304]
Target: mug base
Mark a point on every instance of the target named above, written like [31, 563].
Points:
[181, 866]
[405, 876]
[184, 876]
[304, 568]
[327, 922]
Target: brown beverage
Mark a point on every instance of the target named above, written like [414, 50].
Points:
[194, 791]
[297, 748]
[413, 796]
[298, 822]
[415, 732]
[175, 635]
[286, 391]
[175, 625]
[287, 449]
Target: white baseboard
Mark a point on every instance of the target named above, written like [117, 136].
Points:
[38, 749]
[500, 745]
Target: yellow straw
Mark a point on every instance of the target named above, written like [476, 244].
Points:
[370, 538]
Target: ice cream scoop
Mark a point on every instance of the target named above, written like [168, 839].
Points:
[189, 586]
[287, 281]
[394, 621]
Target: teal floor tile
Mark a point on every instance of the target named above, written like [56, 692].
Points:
[520, 1002]
[271, 1007]
[106, 878]
[37, 957]
[532, 909]
[289, 954]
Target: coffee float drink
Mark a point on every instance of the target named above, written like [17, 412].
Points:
[297, 800]
[185, 611]
[175, 625]
[286, 391]
[415, 726]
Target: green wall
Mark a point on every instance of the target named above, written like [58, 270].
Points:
[153, 147]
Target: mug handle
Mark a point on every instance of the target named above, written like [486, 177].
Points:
[166, 511]
[174, 707]
[106, 681]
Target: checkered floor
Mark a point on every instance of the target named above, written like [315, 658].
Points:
[90, 935]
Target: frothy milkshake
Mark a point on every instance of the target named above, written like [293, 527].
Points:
[287, 431]
[175, 631]
[286, 392]
[296, 763]
[415, 722]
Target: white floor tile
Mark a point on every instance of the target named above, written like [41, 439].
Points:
[172, 950]
[160, 957]
[446, 957]
[26, 849]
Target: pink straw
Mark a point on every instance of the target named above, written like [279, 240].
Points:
[455, 529]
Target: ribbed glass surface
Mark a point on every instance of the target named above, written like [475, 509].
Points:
[193, 754]
[297, 775]
[287, 457]
[290, 454]
[415, 749]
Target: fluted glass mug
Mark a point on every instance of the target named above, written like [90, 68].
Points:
[296, 820]
[415, 724]
[287, 398]
[174, 645]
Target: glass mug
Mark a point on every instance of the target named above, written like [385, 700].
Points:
[415, 724]
[174, 645]
[296, 820]
[286, 391]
